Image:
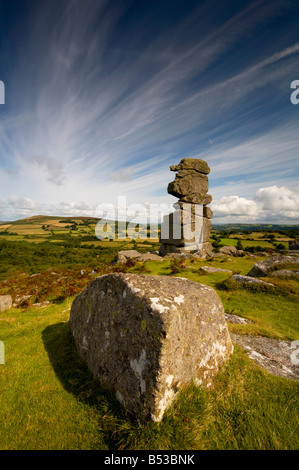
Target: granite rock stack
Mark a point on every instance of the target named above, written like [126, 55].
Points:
[188, 228]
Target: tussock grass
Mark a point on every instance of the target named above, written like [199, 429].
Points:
[49, 399]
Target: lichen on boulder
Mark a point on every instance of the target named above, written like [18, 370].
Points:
[144, 337]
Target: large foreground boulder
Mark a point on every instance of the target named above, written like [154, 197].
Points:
[146, 336]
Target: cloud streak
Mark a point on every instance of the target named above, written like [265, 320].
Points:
[113, 93]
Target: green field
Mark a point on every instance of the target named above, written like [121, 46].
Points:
[246, 242]
[49, 400]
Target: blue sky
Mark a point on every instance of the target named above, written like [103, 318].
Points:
[101, 96]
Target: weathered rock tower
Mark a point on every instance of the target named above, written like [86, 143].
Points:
[188, 228]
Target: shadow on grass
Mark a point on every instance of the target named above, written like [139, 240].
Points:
[118, 429]
[76, 378]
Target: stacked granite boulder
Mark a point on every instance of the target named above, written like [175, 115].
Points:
[188, 228]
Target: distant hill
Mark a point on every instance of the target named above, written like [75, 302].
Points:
[42, 226]
[250, 227]
[38, 219]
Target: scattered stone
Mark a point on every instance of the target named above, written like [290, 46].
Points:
[5, 302]
[211, 269]
[284, 272]
[228, 250]
[240, 253]
[262, 268]
[144, 337]
[43, 304]
[124, 255]
[218, 255]
[276, 356]
[177, 255]
[149, 256]
[249, 280]
[231, 318]
[20, 299]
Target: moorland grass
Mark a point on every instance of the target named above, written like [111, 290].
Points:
[49, 399]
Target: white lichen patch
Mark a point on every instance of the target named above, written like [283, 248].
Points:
[138, 367]
[163, 403]
[169, 380]
[179, 299]
[211, 359]
[133, 289]
[157, 306]
[214, 309]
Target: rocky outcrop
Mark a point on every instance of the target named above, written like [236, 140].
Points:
[189, 227]
[144, 337]
[211, 269]
[263, 268]
[285, 273]
[125, 255]
[276, 356]
[249, 280]
[228, 250]
[5, 302]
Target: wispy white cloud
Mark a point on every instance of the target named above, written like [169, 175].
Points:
[54, 169]
[15, 205]
[122, 175]
[96, 111]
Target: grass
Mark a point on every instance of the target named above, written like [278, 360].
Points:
[273, 311]
[49, 400]
[246, 242]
